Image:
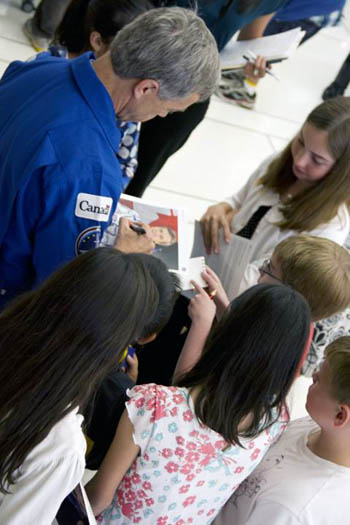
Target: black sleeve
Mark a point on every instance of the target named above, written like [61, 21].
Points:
[106, 412]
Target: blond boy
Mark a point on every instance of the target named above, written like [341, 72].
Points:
[305, 478]
[320, 270]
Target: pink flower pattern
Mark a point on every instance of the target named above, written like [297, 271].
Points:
[184, 473]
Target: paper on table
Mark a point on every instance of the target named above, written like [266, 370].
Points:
[230, 263]
[195, 266]
[273, 47]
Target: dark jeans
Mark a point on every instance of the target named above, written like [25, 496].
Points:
[342, 79]
[159, 139]
[47, 17]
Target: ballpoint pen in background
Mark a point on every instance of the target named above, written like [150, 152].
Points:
[251, 58]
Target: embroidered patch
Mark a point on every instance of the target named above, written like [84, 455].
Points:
[93, 207]
[88, 239]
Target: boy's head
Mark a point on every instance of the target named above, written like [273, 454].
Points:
[317, 268]
[328, 400]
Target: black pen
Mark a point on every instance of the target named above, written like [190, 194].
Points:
[137, 229]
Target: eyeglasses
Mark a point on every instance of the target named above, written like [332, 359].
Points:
[266, 268]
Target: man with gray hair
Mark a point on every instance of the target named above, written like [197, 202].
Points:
[60, 180]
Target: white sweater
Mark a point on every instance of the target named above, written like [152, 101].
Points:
[267, 234]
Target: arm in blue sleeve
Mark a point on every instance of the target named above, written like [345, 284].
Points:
[16, 270]
[77, 209]
[57, 216]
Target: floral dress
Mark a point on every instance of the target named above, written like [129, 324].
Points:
[183, 473]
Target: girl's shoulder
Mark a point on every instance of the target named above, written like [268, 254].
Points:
[336, 229]
[160, 412]
[143, 394]
[260, 171]
[60, 455]
[65, 438]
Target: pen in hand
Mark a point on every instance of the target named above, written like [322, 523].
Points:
[212, 294]
[251, 57]
[137, 229]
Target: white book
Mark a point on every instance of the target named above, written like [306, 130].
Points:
[274, 47]
[195, 267]
[231, 261]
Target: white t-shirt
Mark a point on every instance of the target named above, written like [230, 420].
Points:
[49, 473]
[291, 486]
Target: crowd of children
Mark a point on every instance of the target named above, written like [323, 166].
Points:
[213, 442]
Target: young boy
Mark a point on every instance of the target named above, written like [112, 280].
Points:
[317, 268]
[305, 478]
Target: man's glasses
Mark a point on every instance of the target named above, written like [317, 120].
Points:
[266, 268]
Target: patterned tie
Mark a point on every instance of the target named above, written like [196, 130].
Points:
[248, 230]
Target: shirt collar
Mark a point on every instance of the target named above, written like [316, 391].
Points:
[96, 96]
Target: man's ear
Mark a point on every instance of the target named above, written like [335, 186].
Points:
[146, 87]
[96, 42]
[147, 339]
[342, 417]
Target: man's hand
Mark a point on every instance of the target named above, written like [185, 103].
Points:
[129, 241]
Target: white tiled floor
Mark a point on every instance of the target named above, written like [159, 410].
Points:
[231, 141]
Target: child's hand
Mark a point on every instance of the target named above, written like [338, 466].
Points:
[220, 298]
[216, 217]
[133, 367]
[256, 70]
[201, 308]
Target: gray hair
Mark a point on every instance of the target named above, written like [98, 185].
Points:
[172, 46]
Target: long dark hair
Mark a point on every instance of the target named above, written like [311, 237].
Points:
[250, 361]
[105, 16]
[169, 288]
[58, 342]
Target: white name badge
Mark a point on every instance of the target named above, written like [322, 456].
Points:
[93, 207]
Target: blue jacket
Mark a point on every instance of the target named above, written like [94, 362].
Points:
[60, 180]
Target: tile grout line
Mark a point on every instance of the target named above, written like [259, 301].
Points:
[270, 142]
[175, 192]
[26, 44]
[218, 121]
[262, 113]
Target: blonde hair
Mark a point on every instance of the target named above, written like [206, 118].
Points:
[319, 269]
[320, 203]
[338, 359]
